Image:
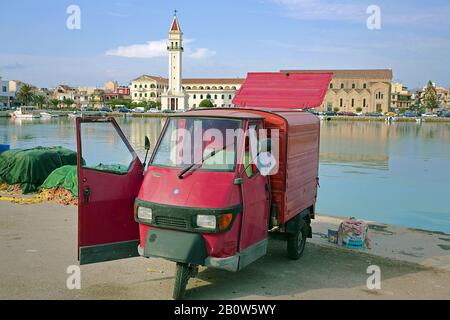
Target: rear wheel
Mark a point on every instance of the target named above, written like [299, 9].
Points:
[183, 273]
[296, 243]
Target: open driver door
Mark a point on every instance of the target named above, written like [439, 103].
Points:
[110, 175]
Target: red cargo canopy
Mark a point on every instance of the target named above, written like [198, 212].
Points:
[283, 90]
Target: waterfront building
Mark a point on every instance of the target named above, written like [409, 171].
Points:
[354, 90]
[401, 97]
[111, 86]
[6, 95]
[120, 92]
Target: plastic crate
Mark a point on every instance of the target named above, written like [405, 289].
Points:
[4, 147]
[354, 244]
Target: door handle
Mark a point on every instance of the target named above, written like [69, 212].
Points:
[87, 193]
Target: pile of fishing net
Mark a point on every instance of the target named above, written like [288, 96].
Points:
[61, 186]
[29, 168]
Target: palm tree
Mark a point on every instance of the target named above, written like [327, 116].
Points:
[54, 103]
[40, 100]
[68, 102]
[25, 94]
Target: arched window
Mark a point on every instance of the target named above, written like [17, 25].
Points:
[353, 102]
[220, 88]
[152, 86]
[195, 96]
[341, 102]
[342, 86]
[364, 103]
[152, 95]
[201, 97]
[331, 86]
[208, 96]
[215, 96]
[230, 97]
[234, 88]
[200, 88]
[365, 85]
[223, 96]
[207, 88]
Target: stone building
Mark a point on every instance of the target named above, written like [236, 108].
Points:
[349, 90]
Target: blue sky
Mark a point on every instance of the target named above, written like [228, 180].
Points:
[125, 38]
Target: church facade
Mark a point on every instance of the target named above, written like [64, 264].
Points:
[350, 90]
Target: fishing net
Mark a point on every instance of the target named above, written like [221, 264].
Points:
[30, 168]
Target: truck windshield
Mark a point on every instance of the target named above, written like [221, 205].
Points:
[191, 141]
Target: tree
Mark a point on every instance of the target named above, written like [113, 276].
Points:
[359, 109]
[336, 109]
[54, 103]
[25, 94]
[206, 104]
[430, 98]
[40, 100]
[68, 102]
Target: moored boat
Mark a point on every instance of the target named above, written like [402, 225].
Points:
[47, 115]
[25, 113]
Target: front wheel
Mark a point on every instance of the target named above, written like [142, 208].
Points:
[183, 273]
[296, 243]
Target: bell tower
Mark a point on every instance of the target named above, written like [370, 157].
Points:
[175, 98]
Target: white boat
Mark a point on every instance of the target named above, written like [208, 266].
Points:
[26, 113]
[75, 114]
[47, 115]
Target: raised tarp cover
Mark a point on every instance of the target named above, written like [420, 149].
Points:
[283, 90]
[31, 167]
[64, 177]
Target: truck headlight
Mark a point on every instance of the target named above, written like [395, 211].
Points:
[145, 213]
[206, 221]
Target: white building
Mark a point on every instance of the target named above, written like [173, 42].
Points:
[6, 95]
[176, 93]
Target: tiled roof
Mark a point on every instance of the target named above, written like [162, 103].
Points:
[382, 74]
[214, 81]
[148, 77]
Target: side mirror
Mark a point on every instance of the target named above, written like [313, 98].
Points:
[265, 145]
[147, 144]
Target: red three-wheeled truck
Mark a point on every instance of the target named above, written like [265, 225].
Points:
[216, 209]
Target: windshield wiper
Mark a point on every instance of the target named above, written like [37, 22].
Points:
[191, 166]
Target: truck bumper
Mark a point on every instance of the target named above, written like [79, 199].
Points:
[190, 248]
[175, 246]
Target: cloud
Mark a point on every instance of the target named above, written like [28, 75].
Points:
[152, 49]
[202, 53]
[156, 49]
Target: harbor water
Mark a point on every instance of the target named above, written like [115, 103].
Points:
[395, 173]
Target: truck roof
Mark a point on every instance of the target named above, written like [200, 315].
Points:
[283, 90]
[233, 113]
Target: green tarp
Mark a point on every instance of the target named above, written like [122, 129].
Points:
[31, 167]
[64, 177]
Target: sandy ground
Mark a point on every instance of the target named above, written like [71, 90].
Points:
[37, 244]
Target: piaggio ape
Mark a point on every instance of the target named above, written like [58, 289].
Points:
[204, 212]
